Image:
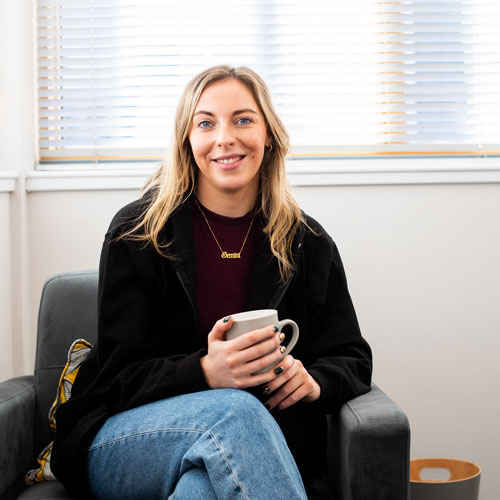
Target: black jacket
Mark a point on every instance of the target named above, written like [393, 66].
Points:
[147, 331]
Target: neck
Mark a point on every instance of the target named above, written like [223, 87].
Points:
[231, 204]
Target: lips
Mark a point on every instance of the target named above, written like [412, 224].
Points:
[229, 159]
[229, 162]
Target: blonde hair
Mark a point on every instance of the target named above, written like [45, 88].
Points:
[175, 179]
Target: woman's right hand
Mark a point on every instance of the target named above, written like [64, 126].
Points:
[233, 363]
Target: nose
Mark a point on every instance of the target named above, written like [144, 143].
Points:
[225, 136]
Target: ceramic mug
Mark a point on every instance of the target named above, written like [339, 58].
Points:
[253, 320]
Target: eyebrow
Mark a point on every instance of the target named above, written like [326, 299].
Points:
[237, 112]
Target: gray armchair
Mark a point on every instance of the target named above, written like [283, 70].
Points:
[368, 439]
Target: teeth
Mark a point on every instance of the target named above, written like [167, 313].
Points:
[229, 160]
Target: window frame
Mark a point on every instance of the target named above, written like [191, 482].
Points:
[304, 169]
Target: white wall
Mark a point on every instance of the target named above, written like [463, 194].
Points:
[6, 340]
[423, 263]
[17, 157]
[66, 230]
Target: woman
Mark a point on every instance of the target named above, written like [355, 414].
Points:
[164, 407]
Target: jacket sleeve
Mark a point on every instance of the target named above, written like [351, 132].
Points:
[134, 363]
[341, 358]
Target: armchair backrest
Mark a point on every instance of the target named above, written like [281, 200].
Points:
[68, 311]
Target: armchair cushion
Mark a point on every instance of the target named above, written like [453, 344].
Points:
[17, 414]
[51, 490]
[68, 311]
[371, 446]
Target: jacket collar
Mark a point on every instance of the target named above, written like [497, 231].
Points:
[179, 232]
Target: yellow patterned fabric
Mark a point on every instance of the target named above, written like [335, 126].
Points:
[77, 353]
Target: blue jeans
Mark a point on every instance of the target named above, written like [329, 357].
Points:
[217, 444]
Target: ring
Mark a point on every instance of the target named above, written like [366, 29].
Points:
[278, 370]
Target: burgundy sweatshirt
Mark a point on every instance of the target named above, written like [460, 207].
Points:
[222, 284]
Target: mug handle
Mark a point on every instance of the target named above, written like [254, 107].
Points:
[295, 334]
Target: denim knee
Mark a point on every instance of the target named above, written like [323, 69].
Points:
[244, 406]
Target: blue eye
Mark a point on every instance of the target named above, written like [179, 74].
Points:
[204, 124]
[244, 121]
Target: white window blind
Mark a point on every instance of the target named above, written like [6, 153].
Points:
[357, 78]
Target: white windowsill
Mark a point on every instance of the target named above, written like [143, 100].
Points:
[318, 172]
[8, 180]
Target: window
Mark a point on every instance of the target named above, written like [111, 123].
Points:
[349, 79]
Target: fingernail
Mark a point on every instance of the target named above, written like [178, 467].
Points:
[282, 337]
[266, 390]
[282, 349]
[226, 319]
[275, 328]
[278, 370]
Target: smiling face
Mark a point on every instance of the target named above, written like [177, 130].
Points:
[228, 136]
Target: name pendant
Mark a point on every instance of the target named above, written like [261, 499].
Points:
[235, 255]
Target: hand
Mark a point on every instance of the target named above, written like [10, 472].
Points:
[233, 363]
[292, 385]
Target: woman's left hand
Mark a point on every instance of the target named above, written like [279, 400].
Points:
[292, 384]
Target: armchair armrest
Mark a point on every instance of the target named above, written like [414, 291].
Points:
[371, 449]
[17, 415]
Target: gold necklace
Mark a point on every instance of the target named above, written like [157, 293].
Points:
[223, 253]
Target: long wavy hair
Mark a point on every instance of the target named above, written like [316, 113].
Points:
[175, 179]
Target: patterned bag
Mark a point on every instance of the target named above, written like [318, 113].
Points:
[77, 353]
